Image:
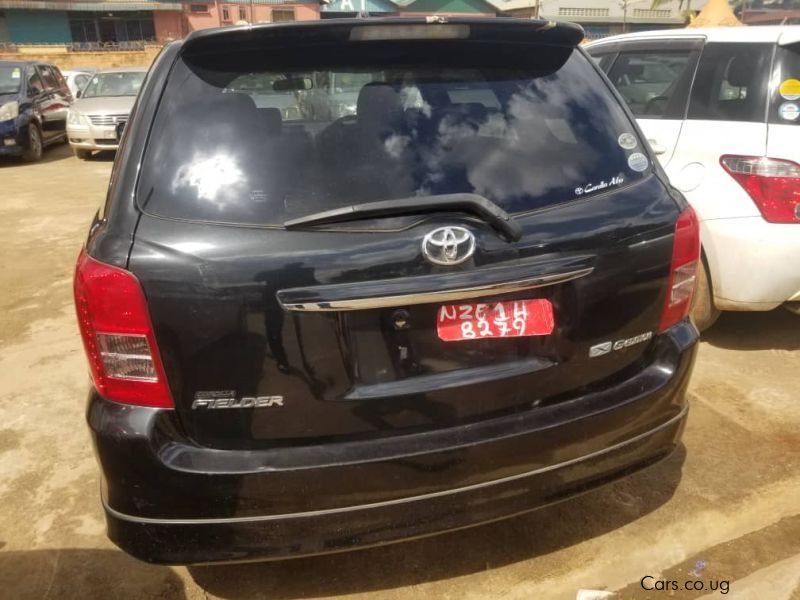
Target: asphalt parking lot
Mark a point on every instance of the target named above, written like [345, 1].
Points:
[724, 508]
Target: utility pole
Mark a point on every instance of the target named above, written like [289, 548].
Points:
[624, 5]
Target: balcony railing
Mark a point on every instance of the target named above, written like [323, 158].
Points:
[132, 46]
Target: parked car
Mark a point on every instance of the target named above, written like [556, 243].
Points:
[77, 79]
[101, 111]
[721, 108]
[466, 301]
[34, 99]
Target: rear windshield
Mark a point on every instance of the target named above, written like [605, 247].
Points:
[263, 137]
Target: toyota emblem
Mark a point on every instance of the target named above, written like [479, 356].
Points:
[448, 245]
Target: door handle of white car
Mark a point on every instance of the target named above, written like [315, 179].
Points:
[657, 148]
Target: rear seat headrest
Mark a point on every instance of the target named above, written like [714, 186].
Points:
[378, 103]
[741, 70]
[271, 120]
[240, 103]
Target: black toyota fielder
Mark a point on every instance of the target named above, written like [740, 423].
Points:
[357, 281]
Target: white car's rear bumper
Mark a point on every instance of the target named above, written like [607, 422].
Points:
[754, 265]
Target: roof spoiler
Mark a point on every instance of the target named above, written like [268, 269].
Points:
[370, 30]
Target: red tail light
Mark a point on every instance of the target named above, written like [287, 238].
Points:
[773, 184]
[118, 336]
[683, 270]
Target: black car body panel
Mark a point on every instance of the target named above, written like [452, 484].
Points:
[382, 431]
[221, 326]
[333, 497]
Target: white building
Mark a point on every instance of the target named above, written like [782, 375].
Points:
[604, 17]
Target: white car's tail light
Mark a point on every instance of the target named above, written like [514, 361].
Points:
[773, 184]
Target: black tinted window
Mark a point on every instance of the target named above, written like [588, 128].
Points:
[650, 82]
[35, 85]
[731, 83]
[786, 101]
[240, 139]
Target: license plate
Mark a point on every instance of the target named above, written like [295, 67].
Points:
[517, 318]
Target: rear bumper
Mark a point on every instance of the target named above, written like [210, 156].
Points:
[92, 137]
[753, 263]
[169, 502]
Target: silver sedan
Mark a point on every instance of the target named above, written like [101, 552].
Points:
[96, 118]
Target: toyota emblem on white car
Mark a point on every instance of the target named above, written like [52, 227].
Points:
[448, 245]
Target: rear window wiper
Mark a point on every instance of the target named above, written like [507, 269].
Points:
[484, 208]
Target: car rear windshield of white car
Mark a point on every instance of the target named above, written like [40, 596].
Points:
[261, 138]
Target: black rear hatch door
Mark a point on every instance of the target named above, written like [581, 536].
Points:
[283, 323]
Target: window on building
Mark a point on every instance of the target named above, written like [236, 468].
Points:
[648, 13]
[198, 8]
[280, 15]
[242, 14]
[648, 80]
[128, 26]
[566, 11]
[226, 14]
[83, 28]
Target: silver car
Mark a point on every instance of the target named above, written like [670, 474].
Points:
[96, 118]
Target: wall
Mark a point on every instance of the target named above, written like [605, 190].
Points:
[611, 11]
[195, 21]
[260, 13]
[354, 6]
[302, 12]
[41, 26]
[169, 25]
[100, 60]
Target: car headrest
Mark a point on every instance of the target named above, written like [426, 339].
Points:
[271, 120]
[240, 105]
[378, 103]
[635, 71]
[741, 70]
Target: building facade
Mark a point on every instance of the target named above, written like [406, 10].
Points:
[125, 23]
[768, 12]
[604, 17]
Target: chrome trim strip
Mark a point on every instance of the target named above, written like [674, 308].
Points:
[477, 291]
[345, 509]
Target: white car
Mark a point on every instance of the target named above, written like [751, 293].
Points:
[721, 109]
[77, 79]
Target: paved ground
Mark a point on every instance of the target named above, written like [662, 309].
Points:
[730, 498]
